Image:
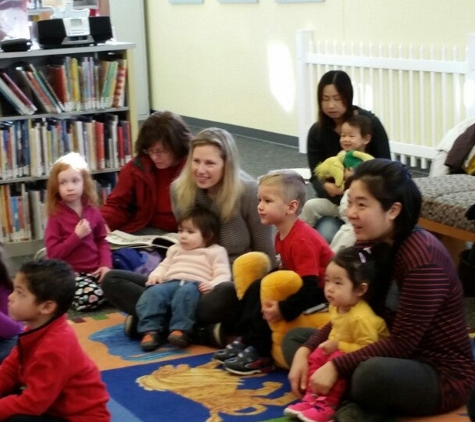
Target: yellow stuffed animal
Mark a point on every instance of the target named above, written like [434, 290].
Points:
[277, 286]
[334, 167]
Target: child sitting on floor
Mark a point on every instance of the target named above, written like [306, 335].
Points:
[191, 268]
[48, 377]
[355, 135]
[75, 231]
[299, 248]
[350, 279]
[9, 328]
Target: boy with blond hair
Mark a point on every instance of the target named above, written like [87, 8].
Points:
[299, 248]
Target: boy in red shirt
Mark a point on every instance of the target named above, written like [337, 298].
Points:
[299, 248]
[47, 375]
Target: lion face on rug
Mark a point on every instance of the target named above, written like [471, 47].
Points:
[277, 286]
[215, 389]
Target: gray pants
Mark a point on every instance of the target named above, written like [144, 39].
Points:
[382, 384]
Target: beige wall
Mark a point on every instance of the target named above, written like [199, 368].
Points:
[235, 63]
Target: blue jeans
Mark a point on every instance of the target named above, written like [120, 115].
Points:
[180, 296]
[328, 226]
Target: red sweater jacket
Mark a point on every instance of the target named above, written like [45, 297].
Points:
[55, 375]
[141, 191]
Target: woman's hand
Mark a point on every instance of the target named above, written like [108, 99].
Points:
[329, 346]
[332, 189]
[323, 378]
[299, 371]
[271, 311]
[101, 272]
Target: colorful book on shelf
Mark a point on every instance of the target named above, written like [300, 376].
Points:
[19, 93]
[100, 152]
[119, 239]
[13, 99]
[58, 106]
[57, 78]
[75, 89]
[119, 92]
[29, 82]
[37, 214]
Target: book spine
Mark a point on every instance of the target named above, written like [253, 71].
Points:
[20, 94]
[40, 94]
[58, 104]
[99, 129]
[119, 94]
[76, 96]
[13, 99]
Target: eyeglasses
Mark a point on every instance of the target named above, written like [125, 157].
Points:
[156, 151]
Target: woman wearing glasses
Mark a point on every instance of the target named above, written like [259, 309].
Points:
[140, 202]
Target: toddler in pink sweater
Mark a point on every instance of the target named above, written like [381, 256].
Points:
[191, 268]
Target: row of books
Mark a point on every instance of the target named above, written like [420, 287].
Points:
[22, 211]
[28, 148]
[66, 84]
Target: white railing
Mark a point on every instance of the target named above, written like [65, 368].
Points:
[418, 93]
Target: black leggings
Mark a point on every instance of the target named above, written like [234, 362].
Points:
[123, 290]
[253, 328]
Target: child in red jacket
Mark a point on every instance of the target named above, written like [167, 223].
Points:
[48, 376]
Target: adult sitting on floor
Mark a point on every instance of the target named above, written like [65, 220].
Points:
[335, 106]
[426, 366]
[140, 202]
[211, 178]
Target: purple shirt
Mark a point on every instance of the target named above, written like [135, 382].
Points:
[86, 254]
[8, 327]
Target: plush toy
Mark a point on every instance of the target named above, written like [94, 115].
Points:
[277, 286]
[334, 167]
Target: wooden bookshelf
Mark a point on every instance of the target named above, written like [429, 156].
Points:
[21, 179]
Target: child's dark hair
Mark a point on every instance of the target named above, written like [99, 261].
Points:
[371, 266]
[51, 279]
[205, 220]
[5, 274]
[361, 122]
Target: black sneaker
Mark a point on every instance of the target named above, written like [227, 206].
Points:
[351, 412]
[209, 335]
[248, 362]
[130, 327]
[230, 351]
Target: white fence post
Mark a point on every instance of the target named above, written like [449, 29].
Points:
[469, 88]
[304, 96]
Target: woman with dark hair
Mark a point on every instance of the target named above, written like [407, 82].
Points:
[426, 366]
[140, 202]
[335, 106]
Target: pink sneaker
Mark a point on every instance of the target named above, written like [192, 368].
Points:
[296, 409]
[320, 412]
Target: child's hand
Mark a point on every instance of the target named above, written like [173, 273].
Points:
[271, 311]
[204, 287]
[349, 172]
[329, 346]
[83, 228]
[101, 272]
[332, 189]
[153, 279]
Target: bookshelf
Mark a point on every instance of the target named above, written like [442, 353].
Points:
[100, 122]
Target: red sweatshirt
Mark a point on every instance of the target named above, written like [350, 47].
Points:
[55, 376]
